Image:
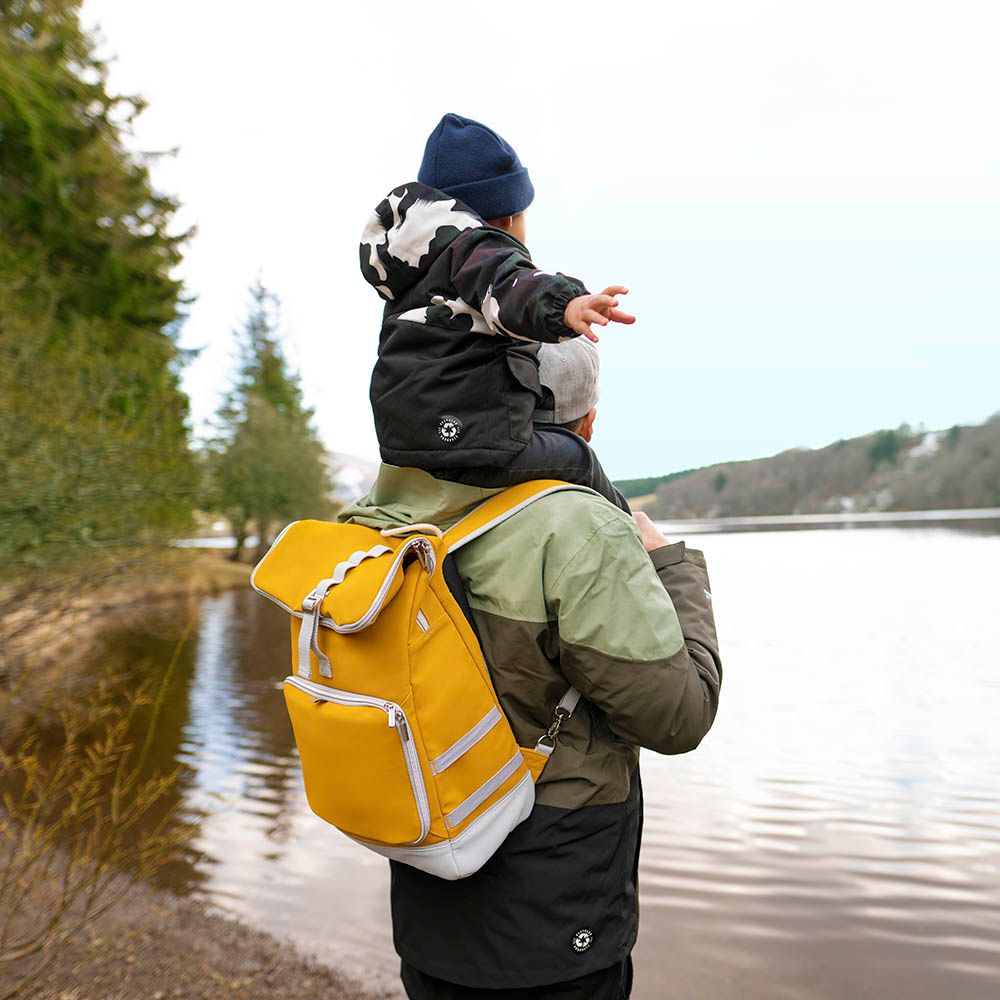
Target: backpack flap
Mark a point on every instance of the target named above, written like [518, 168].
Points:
[339, 576]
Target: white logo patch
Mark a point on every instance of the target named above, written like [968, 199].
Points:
[449, 429]
[583, 939]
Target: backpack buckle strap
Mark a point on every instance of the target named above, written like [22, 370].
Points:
[564, 710]
[309, 632]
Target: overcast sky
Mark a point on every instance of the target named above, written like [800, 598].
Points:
[804, 198]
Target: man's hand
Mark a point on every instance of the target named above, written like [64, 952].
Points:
[602, 309]
[651, 537]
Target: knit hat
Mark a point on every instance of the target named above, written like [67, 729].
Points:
[570, 370]
[470, 162]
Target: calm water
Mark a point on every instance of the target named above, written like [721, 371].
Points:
[837, 835]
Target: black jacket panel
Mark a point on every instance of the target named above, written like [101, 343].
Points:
[558, 900]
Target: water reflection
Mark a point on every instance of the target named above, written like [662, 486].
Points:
[836, 835]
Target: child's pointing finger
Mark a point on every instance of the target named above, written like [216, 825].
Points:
[622, 317]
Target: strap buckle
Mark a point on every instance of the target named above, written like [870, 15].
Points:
[551, 734]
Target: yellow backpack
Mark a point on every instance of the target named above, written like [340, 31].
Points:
[403, 743]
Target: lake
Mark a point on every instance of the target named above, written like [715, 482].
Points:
[837, 834]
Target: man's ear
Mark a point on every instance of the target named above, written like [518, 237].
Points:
[586, 428]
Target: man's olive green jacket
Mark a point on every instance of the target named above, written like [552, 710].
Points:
[562, 593]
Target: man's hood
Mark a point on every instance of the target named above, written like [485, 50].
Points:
[407, 231]
[412, 496]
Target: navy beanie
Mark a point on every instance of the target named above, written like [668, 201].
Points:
[470, 162]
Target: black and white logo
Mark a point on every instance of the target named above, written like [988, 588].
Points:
[449, 429]
[583, 939]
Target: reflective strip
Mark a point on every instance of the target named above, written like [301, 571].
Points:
[422, 621]
[464, 743]
[483, 792]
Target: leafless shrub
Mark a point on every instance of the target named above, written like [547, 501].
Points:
[78, 810]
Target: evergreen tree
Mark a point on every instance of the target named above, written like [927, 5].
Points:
[885, 448]
[267, 463]
[93, 438]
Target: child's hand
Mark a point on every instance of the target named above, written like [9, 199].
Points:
[602, 309]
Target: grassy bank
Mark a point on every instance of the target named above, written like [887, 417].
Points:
[53, 621]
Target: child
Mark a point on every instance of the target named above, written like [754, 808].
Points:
[455, 388]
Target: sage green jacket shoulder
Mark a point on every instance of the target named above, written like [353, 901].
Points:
[564, 593]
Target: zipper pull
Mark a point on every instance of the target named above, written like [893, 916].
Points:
[390, 714]
[401, 722]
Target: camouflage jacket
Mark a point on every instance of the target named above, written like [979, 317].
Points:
[456, 381]
[562, 593]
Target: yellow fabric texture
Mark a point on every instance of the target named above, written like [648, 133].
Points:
[418, 653]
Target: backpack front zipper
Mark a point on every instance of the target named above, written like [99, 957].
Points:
[396, 719]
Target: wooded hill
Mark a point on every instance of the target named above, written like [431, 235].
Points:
[901, 469]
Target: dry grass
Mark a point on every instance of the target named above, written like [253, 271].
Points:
[75, 793]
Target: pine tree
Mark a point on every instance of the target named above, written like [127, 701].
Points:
[267, 463]
[93, 436]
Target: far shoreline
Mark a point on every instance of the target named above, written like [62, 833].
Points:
[711, 525]
[705, 525]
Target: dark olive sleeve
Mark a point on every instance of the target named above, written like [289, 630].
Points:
[684, 575]
[637, 637]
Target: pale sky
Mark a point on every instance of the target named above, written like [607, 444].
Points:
[804, 198]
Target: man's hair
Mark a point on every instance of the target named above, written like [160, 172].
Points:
[572, 425]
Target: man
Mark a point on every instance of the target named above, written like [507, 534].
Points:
[571, 590]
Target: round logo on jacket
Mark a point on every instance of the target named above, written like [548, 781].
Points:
[449, 429]
[583, 939]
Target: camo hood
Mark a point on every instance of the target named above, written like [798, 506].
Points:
[407, 232]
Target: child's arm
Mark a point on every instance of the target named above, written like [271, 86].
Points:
[494, 274]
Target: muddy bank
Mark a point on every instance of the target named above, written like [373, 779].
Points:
[53, 623]
[154, 946]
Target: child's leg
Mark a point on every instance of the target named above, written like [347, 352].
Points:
[552, 453]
